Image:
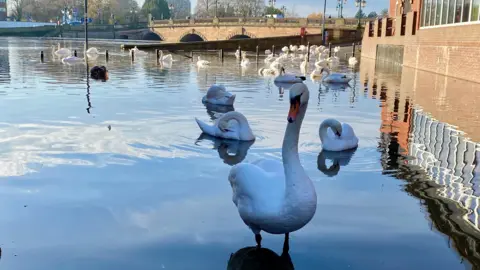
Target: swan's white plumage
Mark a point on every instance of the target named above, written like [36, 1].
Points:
[332, 142]
[202, 63]
[232, 125]
[93, 51]
[352, 61]
[273, 196]
[72, 60]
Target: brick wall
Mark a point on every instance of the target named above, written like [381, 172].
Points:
[449, 50]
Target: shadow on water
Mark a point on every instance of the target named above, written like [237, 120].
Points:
[251, 258]
[230, 151]
[439, 164]
[339, 159]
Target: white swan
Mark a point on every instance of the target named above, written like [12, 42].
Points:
[92, 51]
[267, 72]
[336, 136]
[202, 63]
[352, 61]
[274, 197]
[285, 49]
[63, 52]
[218, 95]
[232, 125]
[138, 52]
[288, 78]
[304, 64]
[268, 52]
[245, 61]
[334, 77]
[237, 54]
[269, 59]
[72, 60]
[165, 58]
[316, 75]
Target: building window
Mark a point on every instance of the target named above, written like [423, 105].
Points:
[444, 11]
[466, 10]
[438, 12]
[451, 11]
[432, 12]
[475, 10]
[458, 11]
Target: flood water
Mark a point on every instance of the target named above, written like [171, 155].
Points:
[115, 175]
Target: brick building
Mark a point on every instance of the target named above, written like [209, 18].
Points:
[3, 10]
[439, 36]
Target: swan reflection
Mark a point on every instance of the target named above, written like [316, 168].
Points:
[253, 258]
[230, 151]
[339, 158]
[336, 86]
[215, 111]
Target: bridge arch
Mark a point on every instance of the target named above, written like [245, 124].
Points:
[241, 34]
[192, 36]
[152, 36]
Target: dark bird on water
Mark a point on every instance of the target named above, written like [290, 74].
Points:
[99, 73]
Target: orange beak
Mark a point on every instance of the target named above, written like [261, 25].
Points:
[292, 113]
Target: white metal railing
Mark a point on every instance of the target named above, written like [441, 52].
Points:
[7, 24]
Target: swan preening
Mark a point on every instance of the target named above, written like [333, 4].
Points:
[61, 52]
[272, 196]
[218, 95]
[336, 136]
[288, 78]
[73, 60]
[232, 125]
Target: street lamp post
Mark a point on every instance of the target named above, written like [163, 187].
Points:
[360, 4]
[340, 4]
[171, 7]
[323, 21]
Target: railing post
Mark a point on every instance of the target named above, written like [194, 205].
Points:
[240, 52]
[308, 51]
[353, 49]
[329, 49]
[258, 53]
[106, 55]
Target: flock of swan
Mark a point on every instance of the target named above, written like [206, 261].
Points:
[272, 196]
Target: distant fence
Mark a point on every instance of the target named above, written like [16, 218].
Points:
[6, 24]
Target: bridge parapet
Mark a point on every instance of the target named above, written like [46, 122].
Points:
[350, 23]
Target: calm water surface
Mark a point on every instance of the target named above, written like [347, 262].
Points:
[151, 193]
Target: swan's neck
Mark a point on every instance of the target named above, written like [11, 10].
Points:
[242, 121]
[296, 179]
[324, 131]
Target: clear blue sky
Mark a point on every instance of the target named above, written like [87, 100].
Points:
[305, 7]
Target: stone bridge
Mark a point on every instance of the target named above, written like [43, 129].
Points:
[239, 28]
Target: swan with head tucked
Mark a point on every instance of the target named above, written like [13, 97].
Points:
[218, 95]
[92, 51]
[352, 61]
[272, 196]
[232, 125]
[73, 60]
[336, 136]
[288, 78]
[62, 52]
[334, 77]
[202, 63]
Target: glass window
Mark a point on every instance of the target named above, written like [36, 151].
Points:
[466, 10]
[438, 12]
[451, 11]
[445, 11]
[432, 12]
[475, 10]
[426, 10]
[458, 11]
[426, 13]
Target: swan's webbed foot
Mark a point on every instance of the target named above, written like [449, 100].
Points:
[258, 239]
[286, 246]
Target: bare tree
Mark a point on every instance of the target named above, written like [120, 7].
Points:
[226, 8]
[18, 8]
[181, 8]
